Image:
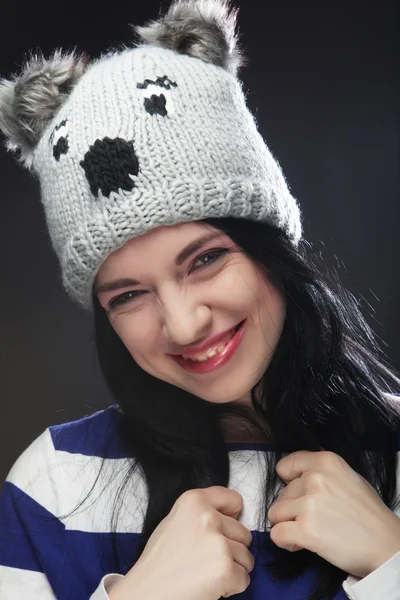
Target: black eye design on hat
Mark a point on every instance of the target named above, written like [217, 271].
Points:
[164, 82]
[61, 146]
[154, 103]
[111, 164]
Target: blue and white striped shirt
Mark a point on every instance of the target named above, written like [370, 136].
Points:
[49, 550]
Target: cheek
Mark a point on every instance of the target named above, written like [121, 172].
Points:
[138, 334]
[238, 287]
[256, 292]
[272, 305]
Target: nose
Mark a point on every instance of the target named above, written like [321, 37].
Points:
[184, 322]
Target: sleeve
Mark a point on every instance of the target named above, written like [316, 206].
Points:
[21, 574]
[381, 584]
[106, 585]
[33, 553]
[384, 582]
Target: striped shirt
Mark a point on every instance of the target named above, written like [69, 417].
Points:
[49, 550]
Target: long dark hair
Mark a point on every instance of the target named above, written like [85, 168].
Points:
[326, 387]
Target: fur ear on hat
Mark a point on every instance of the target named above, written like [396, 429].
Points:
[203, 29]
[29, 101]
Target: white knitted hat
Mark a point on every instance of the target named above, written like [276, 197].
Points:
[157, 134]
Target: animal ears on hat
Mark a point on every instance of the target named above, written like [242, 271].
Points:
[29, 100]
[204, 29]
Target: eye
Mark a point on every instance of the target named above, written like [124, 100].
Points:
[124, 298]
[208, 257]
[211, 257]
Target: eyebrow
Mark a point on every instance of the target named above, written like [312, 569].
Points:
[181, 257]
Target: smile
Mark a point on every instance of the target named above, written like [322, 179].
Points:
[215, 357]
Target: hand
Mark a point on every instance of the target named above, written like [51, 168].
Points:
[331, 510]
[198, 552]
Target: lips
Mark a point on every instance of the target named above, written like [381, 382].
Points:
[212, 343]
[212, 350]
[218, 360]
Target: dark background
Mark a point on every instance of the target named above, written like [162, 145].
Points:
[322, 81]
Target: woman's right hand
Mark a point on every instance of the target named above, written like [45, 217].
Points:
[198, 552]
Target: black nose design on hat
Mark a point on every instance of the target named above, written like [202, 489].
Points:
[60, 148]
[156, 105]
[108, 165]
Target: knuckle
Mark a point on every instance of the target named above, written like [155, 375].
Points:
[224, 550]
[191, 497]
[275, 534]
[274, 509]
[308, 528]
[186, 496]
[252, 562]
[248, 537]
[315, 479]
[310, 505]
[244, 582]
[209, 520]
[329, 459]
[226, 568]
[237, 583]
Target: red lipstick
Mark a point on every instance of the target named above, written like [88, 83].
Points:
[215, 362]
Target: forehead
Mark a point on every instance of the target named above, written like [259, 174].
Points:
[167, 235]
[161, 243]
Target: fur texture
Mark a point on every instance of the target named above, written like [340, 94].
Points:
[204, 29]
[31, 99]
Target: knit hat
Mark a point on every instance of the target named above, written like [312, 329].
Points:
[154, 134]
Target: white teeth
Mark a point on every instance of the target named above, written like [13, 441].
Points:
[209, 354]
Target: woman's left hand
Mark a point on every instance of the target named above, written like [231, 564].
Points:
[331, 510]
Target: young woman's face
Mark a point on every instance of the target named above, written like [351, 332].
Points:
[181, 298]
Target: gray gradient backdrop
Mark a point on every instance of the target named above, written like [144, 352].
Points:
[322, 83]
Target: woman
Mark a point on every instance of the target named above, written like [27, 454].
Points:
[253, 445]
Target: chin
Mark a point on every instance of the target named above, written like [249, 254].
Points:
[224, 397]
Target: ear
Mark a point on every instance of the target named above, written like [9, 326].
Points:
[30, 100]
[203, 29]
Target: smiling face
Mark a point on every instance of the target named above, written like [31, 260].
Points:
[168, 298]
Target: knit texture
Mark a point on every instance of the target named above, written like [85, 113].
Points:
[149, 137]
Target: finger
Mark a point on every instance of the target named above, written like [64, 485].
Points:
[287, 536]
[294, 489]
[242, 556]
[236, 531]
[293, 465]
[285, 510]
